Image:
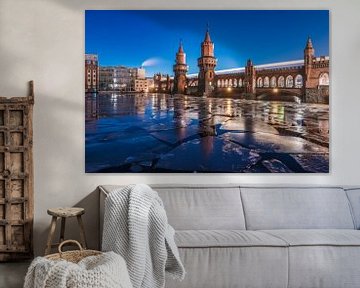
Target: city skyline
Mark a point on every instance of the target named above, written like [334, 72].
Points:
[157, 53]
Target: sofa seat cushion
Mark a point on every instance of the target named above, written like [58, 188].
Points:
[317, 237]
[225, 238]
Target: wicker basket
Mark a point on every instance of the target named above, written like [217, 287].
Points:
[72, 256]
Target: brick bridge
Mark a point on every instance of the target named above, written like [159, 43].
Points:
[305, 80]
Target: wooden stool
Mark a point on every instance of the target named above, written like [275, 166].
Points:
[64, 213]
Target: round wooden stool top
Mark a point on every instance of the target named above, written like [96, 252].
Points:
[66, 211]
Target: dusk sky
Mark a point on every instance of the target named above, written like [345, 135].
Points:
[151, 38]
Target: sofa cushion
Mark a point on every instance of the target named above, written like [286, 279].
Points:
[322, 258]
[296, 208]
[324, 266]
[224, 267]
[317, 237]
[226, 238]
[206, 208]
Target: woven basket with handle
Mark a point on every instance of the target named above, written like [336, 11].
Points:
[72, 256]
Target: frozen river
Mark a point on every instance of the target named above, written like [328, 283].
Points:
[164, 133]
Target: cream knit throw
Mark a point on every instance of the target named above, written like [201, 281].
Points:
[136, 227]
[103, 271]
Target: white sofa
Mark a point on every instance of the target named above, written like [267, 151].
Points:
[235, 236]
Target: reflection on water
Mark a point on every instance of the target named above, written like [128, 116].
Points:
[164, 133]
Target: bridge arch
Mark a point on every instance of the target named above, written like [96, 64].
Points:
[289, 81]
[324, 79]
[240, 83]
[266, 82]
[281, 81]
[230, 83]
[226, 83]
[259, 82]
[235, 84]
[298, 81]
[218, 83]
[273, 82]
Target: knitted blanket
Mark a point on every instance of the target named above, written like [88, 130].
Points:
[136, 227]
[103, 271]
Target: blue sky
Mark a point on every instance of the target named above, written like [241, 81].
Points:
[151, 37]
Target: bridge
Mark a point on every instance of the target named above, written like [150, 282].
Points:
[304, 80]
[281, 80]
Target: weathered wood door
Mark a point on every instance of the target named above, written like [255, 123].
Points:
[16, 177]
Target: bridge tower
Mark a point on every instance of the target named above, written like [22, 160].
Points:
[309, 54]
[206, 63]
[250, 78]
[180, 68]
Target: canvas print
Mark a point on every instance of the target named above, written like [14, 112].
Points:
[244, 91]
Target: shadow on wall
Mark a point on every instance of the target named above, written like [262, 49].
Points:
[91, 219]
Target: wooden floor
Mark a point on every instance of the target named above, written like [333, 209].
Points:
[12, 274]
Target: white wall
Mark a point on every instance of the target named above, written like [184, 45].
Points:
[43, 40]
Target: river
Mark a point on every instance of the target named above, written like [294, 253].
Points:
[165, 133]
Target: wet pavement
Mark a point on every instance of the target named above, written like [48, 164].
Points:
[164, 133]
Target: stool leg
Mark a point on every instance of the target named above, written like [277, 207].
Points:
[51, 235]
[62, 230]
[82, 232]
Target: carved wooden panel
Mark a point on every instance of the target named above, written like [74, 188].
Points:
[16, 177]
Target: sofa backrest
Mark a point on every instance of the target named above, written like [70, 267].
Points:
[296, 208]
[209, 207]
[203, 208]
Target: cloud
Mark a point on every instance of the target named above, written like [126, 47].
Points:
[154, 61]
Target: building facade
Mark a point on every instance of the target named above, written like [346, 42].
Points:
[163, 83]
[119, 78]
[91, 73]
[144, 85]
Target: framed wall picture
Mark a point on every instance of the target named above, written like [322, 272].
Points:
[244, 91]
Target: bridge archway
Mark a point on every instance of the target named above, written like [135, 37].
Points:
[298, 81]
[273, 82]
[259, 82]
[286, 95]
[266, 82]
[289, 81]
[324, 79]
[281, 81]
